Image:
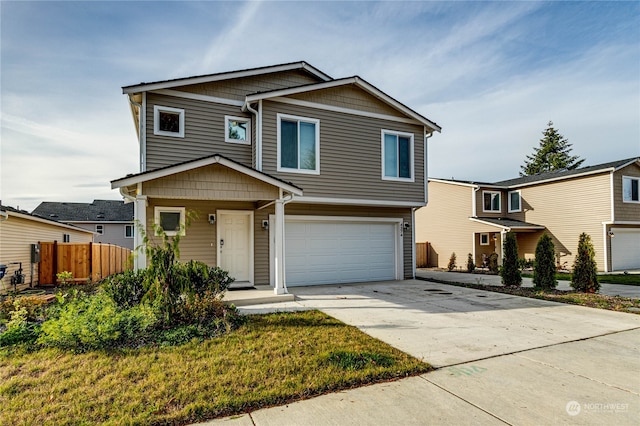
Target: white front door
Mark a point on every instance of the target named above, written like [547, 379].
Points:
[235, 244]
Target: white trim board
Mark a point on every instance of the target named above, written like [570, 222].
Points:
[356, 201]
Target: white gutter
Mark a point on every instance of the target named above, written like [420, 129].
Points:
[426, 179]
[258, 115]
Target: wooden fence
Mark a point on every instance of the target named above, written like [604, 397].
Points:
[422, 255]
[85, 261]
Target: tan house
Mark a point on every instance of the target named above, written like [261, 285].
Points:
[473, 217]
[19, 231]
[295, 178]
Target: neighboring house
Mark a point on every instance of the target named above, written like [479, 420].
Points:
[296, 178]
[19, 230]
[472, 217]
[111, 220]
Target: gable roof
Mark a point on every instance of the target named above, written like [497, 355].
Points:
[201, 162]
[355, 80]
[6, 212]
[208, 78]
[97, 211]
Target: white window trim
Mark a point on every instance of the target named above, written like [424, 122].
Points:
[156, 121]
[66, 238]
[247, 120]
[308, 120]
[499, 201]
[511, 210]
[160, 209]
[411, 153]
[125, 231]
[630, 178]
[488, 239]
[100, 229]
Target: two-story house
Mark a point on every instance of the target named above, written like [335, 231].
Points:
[110, 220]
[472, 217]
[295, 178]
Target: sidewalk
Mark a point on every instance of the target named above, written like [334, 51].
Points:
[466, 278]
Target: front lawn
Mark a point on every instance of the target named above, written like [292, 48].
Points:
[629, 279]
[270, 360]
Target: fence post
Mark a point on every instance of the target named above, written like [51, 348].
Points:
[54, 267]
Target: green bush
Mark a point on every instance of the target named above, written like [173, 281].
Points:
[585, 271]
[510, 272]
[126, 289]
[19, 328]
[91, 322]
[203, 278]
[452, 262]
[544, 267]
[34, 306]
[525, 263]
[471, 265]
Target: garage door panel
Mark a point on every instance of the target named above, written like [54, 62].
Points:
[325, 252]
[625, 249]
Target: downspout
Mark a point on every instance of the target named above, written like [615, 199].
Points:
[413, 239]
[426, 177]
[248, 107]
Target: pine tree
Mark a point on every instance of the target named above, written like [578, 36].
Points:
[471, 265]
[552, 154]
[510, 272]
[585, 271]
[452, 262]
[544, 267]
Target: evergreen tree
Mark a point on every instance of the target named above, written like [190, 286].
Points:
[544, 265]
[471, 265]
[585, 271]
[452, 262]
[552, 154]
[510, 272]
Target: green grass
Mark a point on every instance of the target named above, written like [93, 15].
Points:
[629, 279]
[270, 360]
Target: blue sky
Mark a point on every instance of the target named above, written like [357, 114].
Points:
[492, 74]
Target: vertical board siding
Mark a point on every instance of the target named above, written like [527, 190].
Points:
[625, 211]
[350, 156]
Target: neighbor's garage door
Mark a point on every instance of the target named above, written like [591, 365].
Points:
[625, 249]
[328, 251]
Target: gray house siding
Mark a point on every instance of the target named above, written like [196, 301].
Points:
[350, 156]
[114, 233]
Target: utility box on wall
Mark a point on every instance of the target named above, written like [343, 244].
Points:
[35, 253]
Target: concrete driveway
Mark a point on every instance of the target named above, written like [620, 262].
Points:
[500, 359]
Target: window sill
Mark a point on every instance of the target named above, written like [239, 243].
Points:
[299, 171]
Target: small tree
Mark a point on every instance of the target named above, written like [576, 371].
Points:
[471, 265]
[552, 154]
[585, 277]
[510, 272]
[544, 265]
[452, 262]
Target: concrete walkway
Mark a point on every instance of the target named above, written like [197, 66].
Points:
[462, 277]
[500, 359]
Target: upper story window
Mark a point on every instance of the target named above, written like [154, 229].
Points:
[397, 156]
[171, 220]
[514, 201]
[128, 231]
[237, 129]
[66, 238]
[491, 201]
[168, 121]
[298, 144]
[100, 229]
[630, 190]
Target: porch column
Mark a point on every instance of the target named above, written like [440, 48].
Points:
[279, 248]
[140, 214]
[503, 234]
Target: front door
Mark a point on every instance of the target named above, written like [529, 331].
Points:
[235, 244]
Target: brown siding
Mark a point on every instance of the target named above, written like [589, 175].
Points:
[349, 97]
[350, 156]
[16, 236]
[480, 203]
[203, 136]
[625, 211]
[214, 182]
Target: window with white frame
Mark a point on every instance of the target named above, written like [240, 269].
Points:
[168, 121]
[484, 239]
[128, 231]
[491, 201]
[66, 238]
[100, 229]
[630, 189]
[298, 144]
[171, 220]
[397, 155]
[237, 130]
[514, 201]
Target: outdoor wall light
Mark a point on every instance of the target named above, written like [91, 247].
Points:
[265, 224]
[406, 226]
[212, 218]
[611, 234]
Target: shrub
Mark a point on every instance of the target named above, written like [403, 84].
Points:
[510, 272]
[525, 263]
[585, 272]
[19, 328]
[65, 277]
[202, 278]
[471, 265]
[34, 306]
[493, 262]
[452, 262]
[544, 266]
[126, 289]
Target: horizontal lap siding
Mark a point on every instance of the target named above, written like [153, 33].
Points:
[204, 133]
[349, 97]
[350, 156]
[625, 211]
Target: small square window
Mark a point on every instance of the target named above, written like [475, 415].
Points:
[128, 231]
[66, 238]
[100, 229]
[630, 189]
[484, 239]
[171, 220]
[397, 156]
[514, 201]
[168, 121]
[237, 129]
[491, 201]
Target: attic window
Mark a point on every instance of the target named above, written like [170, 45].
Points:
[168, 121]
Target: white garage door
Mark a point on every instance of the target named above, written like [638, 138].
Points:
[327, 251]
[625, 249]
